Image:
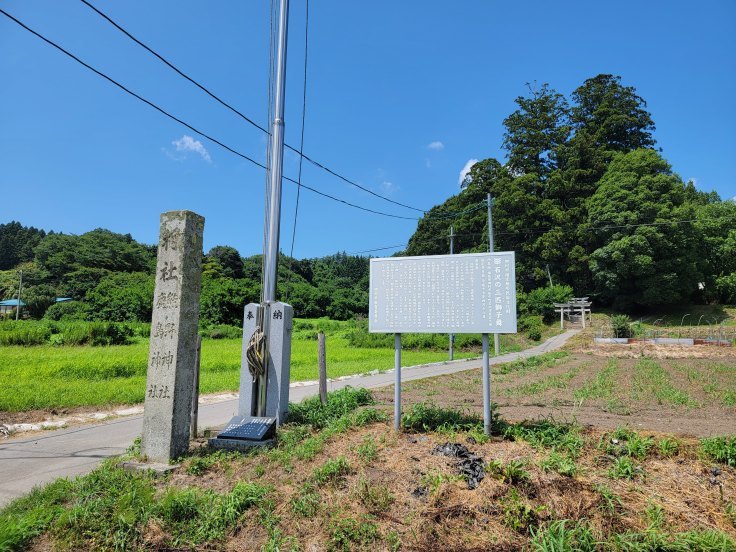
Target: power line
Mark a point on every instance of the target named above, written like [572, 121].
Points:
[381, 249]
[190, 127]
[239, 113]
[304, 117]
[116, 83]
[301, 145]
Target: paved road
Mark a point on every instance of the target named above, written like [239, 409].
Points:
[25, 463]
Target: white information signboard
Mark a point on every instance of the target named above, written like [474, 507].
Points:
[470, 293]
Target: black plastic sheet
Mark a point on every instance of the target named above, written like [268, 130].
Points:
[471, 466]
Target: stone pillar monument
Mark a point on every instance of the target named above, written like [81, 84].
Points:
[279, 363]
[173, 346]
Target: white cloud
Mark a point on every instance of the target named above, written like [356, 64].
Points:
[388, 188]
[466, 169]
[436, 145]
[186, 143]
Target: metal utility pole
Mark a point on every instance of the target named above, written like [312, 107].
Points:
[20, 289]
[452, 252]
[496, 343]
[272, 222]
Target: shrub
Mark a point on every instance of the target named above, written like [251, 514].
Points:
[621, 325]
[541, 301]
[67, 310]
[533, 325]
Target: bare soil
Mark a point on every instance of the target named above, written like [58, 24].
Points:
[707, 383]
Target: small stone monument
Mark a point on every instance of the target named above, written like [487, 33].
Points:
[279, 364]
[251, 428]
[173, 346]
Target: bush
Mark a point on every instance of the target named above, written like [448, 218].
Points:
[621, 325]
[67, 310]
[533, 325]
[541, 301]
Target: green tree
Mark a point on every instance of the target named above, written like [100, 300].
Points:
[634, 264]
[222, 300]
[17, 243]
[536, 130]
[122, 297]
[102, 249]
[228, 258]
[38, 299]
[614, 116]
[716, 228]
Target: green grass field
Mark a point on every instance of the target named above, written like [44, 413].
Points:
[51, 377]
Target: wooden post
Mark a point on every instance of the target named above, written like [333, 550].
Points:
[195, 396]
[322, 353]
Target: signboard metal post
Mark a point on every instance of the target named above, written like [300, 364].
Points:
[486, 387]
[397, 383]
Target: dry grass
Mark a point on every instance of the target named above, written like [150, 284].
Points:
[452, 517]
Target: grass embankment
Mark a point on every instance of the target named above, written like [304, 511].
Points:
[342, 479]
[52, 377]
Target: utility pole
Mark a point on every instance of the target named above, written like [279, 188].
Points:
[496, 343]
[452, 252]
[20, 289]
[272, 222]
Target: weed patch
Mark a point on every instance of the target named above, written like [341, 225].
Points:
[347, 533]
[560, 464]
[331, 471]
[720, 449]
[548, 434]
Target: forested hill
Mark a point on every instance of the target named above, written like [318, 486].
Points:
[585, 192]
[111, 277]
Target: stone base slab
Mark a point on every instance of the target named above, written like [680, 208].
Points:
[239, 444]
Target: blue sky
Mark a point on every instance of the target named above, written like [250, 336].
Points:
[401, 96]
